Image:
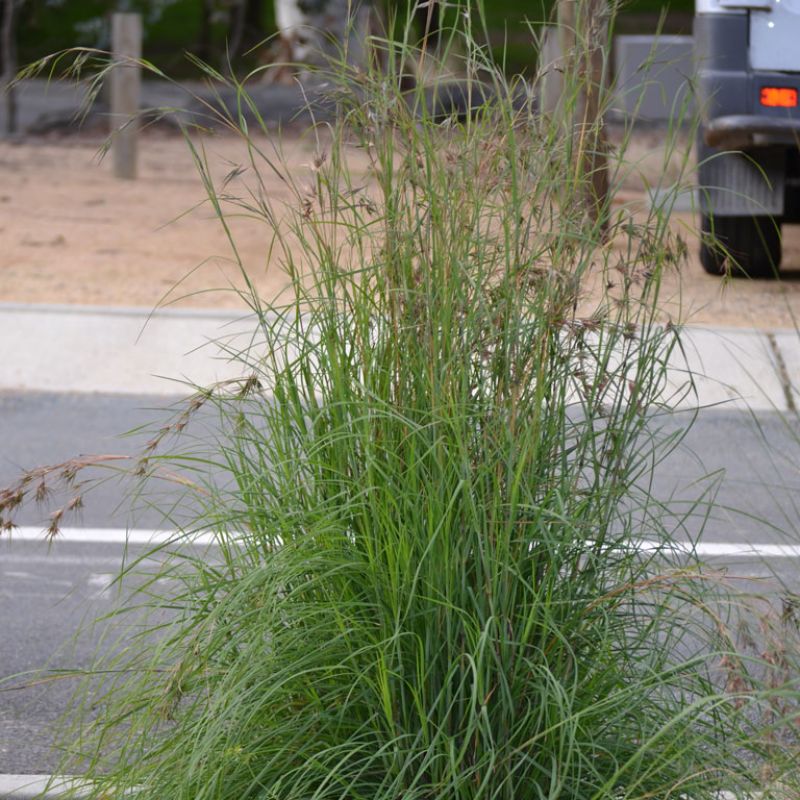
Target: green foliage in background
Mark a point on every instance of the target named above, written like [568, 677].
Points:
[172, 27]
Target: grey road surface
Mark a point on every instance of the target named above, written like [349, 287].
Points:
[47, 595]
[757, 455]
[750, 464]
[43, 429]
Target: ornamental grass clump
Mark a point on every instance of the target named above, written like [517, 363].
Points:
[430, 490]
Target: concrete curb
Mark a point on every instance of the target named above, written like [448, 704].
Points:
[140, 312]
[51, 787]
[42, 787]
[122, 352]
[167, 352]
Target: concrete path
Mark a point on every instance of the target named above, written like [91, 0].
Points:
[90, 349]
[127, 351]
[33, 787]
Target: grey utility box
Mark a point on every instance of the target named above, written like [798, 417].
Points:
[653, 77]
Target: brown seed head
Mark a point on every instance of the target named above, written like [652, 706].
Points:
[54, 527]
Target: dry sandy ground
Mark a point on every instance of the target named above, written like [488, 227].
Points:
[71, 233]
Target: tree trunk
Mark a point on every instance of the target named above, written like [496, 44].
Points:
[253, 22]
[8, 45]
[596, 160]
[582, 31]
[204, 43]
[237, 15]
[427, 15]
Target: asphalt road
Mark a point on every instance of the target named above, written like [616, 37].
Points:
[49, 599]
[759, 455]
[749, 464]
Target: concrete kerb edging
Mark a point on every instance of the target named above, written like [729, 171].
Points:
[42, 787]
[61, 348]
[119, 350]
[139, 312]
[731, 368]
[51, 787]
[47, 787]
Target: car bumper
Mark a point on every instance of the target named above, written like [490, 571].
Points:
[737, 131]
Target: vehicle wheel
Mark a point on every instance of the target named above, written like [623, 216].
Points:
[754, 245]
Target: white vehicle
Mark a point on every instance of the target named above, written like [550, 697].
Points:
[748, 59]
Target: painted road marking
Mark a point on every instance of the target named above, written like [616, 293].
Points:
[140, 536]
[119, 536]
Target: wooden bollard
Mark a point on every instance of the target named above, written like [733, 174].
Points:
[126, 83]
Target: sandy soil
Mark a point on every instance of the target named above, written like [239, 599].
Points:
[72, 233]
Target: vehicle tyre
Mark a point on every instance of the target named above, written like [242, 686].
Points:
[754, 245]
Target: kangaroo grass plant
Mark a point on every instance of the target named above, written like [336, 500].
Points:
[429, 493]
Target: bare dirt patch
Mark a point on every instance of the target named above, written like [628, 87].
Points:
[72, 233]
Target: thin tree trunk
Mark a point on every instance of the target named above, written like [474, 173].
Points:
[236, 27]
[204, 45]
[427, 16]
[254, 22]
[582, 31]
[9, 66]
[596, 161]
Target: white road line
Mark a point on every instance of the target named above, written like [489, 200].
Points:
[728, 549]
[30, 559]
[743, 550]
[119, 536]
[139, 536]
